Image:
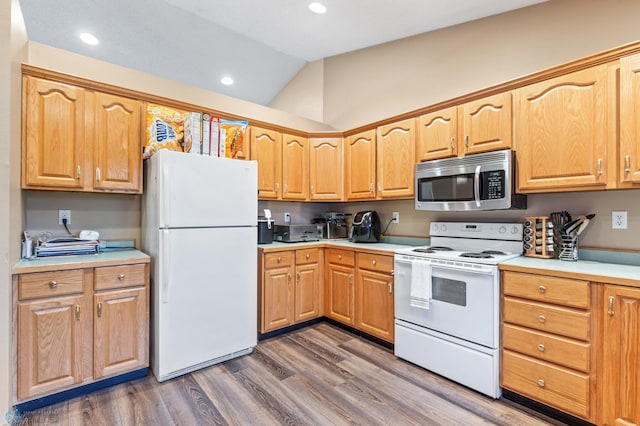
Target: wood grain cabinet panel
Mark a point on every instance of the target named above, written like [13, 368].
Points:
[561, 132]
[562, 291]
[374, 295]
[266, 149]
[487, 124]
[396, 144]
[76, 139]
[437, 135]
[295, 168]
[620, 390]
[326, 169]
[629, 173]
[54, 143]
[120, 332]
[360, 166]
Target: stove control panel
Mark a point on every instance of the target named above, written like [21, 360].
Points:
[503, 231]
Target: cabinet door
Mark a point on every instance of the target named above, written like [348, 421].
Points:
[561, 132]
[295, 168]
[51, 341]
[621, 356]
[360, 166]
[437, 132]
[53, 148]
[396, 146]
[340, 294]
[325, 169]
[120, 332]
[307, 295]
[487, 124]
[630, 119]
[278, 298]
[116, 144]
[266, 149]
[374, 308]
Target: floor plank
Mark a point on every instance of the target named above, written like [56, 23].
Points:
[319, 375]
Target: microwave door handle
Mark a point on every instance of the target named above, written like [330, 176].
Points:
[476, 186]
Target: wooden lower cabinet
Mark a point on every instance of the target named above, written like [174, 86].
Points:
[548, 341]
[340, 290]
[374, 295]
[620, 387]
[71, 328]
[290, 284]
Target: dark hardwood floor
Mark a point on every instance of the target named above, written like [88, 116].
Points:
[319, 375]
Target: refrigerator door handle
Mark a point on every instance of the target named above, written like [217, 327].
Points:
[166, 200]
[164, 273]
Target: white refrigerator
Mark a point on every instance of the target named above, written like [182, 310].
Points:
[199, 225]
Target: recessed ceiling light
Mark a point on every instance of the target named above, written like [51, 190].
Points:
[316, 7]
[89, 39]
[226, 80]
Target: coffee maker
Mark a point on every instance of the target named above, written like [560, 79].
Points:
[334, 225]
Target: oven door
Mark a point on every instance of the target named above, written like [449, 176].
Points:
[464, 300]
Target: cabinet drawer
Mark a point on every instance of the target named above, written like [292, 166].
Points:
[341, 257]
[307, 256]
[553, 319]
[47, 284]
[375, 262]
[547, 383]
[119, 276]
[278, 260]
[562, 291]
[547, 347]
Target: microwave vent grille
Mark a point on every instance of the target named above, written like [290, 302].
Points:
[497, 156]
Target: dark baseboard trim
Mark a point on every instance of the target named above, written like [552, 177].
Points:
[281, 331]
[360, 333]
[544, 409]
[34, 404]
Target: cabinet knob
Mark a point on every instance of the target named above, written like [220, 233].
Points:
[340, 256]
[379, 186]
[99, 310]
[540, 347]
[53, 284]
[279, 259]
[298, 276]
[611, 311]
[78, 312]
[627, 164]
[121, 277]
[466, 141]
[541, 318]
[373, 261]
[98, 174]
[390, 287]
[78, 172]
[599, 166]
[307, 256]
[277, 187]
[541, 383]
[453, 142]
[542, 289]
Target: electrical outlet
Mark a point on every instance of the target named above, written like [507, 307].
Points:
[64, 214]
[619, 220]
[395, 217]
[287, 217]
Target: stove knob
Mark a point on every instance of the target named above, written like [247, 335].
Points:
[502, 230]
[514, 230]
[434, 228]
[443, 228]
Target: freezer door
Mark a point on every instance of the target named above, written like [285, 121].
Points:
[201, 191]
[204, 297]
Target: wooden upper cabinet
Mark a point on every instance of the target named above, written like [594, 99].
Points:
[116, 139]
[395, 159]
[561, 132]
[53, 144]
[621, 337]
[295, 168]
[629, 173]
[325, 169]
[266, 149]
[360, 166]
[79, 140]
[486, 124]
[437, 133]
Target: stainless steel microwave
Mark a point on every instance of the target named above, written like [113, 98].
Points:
[475, 182]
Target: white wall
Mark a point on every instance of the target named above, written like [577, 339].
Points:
[12, 42]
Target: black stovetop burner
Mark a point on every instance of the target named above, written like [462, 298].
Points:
[487, 254]
[432, 249]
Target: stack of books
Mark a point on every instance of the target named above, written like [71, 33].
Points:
[67, 246]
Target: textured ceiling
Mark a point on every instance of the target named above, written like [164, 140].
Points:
[261, 43]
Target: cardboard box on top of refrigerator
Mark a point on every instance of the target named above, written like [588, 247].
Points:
[214, 133]
[206, 133]
[232, 143]
[193, 133]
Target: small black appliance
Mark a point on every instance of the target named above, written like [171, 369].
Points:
[265, 230]
[366, 227]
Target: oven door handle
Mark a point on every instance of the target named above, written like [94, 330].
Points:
[476, 185]
[484, 269]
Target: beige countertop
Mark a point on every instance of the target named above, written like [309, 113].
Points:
[59, 263]
[582, 269]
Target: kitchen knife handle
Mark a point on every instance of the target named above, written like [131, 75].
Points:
[611, 312]
[627, 164]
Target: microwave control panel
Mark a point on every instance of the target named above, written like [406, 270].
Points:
[493, 185]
